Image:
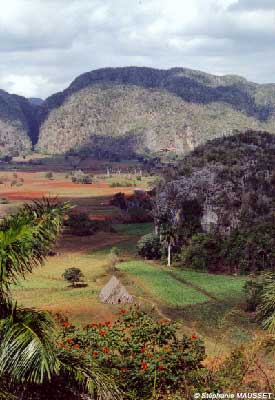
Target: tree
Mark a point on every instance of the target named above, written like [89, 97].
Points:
[266, 308]
[49, 175]
[73, 275]
[149, 246]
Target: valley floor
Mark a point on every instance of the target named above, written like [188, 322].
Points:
[211, 306]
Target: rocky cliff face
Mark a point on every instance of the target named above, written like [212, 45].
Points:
[136, 110]
[230, 180]
[16, 124]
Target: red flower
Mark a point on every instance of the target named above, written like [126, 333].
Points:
[142, 350]
[164, 321]
[161, 367]
[105, 350]
[194, 337]
[100, 325]
[76, 346]
[66, 324]
[69, 340]
[95, 353]
[108, 324]
[133, 355]
[102, 333]
[143, 365]
[94, 325]
[124, 369]
[122, 312]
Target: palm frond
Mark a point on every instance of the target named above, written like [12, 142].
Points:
[26, 237]
[91, 378]
[266, 309]
[26, 349]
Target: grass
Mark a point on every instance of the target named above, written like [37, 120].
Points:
[162, 285]
[134, 229]
[46, 289]
[223, 287]
[126, 248]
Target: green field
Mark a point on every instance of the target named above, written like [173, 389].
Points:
[222, 287]
[138, 229]
[162, 285]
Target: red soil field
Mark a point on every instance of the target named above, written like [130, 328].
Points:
[74, 185]
[23, 195]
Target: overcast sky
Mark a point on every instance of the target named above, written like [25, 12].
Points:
[45, 44]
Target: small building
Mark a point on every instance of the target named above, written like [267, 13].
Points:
[115, 293]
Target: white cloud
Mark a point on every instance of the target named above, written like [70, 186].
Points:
[44, 44]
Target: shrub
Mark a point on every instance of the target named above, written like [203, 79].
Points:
[49, 175]
[202, 252]
[266, 308]
[247, 250]
[4, 200]
[139, 214]
[119, 200]
[121, 184]
[253, 289]
[250, 249]
[80, 177]
[73, 275]
[144, 357]
[80, 224]
[149, 246]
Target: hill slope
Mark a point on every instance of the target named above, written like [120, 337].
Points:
[136, 109]
[17, 124]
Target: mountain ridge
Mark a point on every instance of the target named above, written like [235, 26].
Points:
[143, 109]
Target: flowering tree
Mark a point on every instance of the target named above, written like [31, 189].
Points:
[143, 355]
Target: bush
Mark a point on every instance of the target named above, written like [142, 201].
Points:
[247, 250]
[143, 356]
[266, 307]
[49, 175]
[80, 177]
[149, 246]
[202, 252]
[121, 184]
[81, 225]
[139, 214]
[119, 200]
[253, 289]
[251, 249]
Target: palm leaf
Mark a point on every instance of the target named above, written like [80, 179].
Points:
[25, 239]
[91, 378]
[27, 352]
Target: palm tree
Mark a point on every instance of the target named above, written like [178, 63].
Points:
[28, 354]
[266, 308]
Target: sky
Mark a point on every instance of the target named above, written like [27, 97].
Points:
[45, 44]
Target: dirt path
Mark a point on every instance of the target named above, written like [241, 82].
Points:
[198, 288]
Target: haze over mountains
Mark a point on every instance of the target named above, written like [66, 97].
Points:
[133, 110]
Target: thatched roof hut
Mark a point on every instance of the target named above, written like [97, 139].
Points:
[115, 293]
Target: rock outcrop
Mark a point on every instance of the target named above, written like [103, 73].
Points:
[223, 184]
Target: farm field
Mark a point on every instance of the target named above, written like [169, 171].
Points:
[191, 303]
[31, 183]
[203, 303]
